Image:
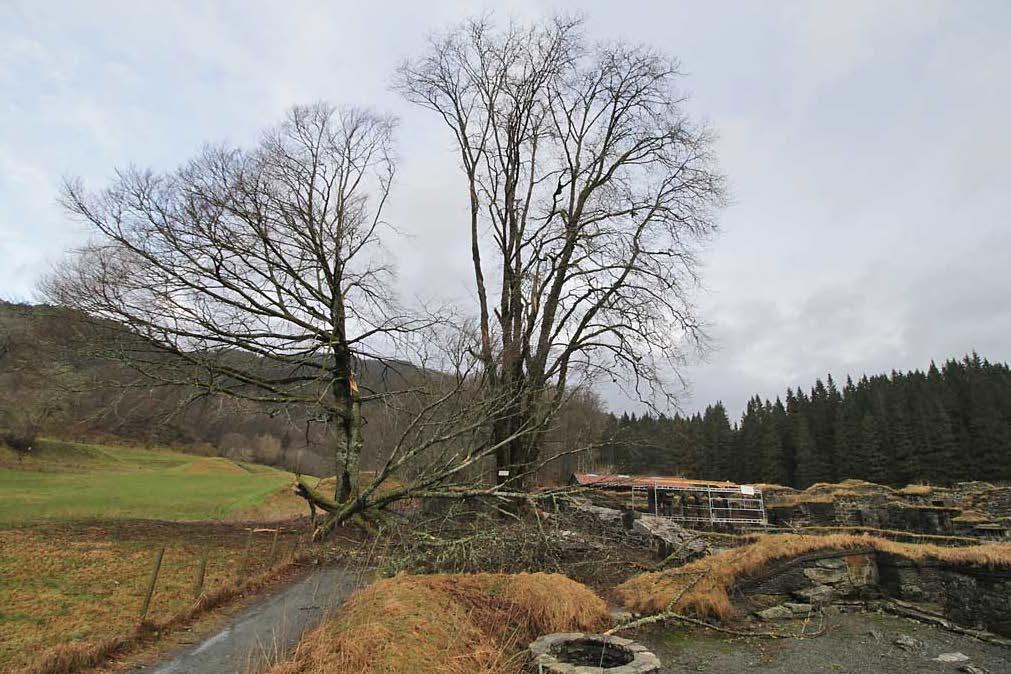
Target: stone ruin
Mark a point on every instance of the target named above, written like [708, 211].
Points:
[668, 538]
[971, 509]
[970, 597]
[975, 598]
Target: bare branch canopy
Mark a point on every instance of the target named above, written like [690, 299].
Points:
[590, 190]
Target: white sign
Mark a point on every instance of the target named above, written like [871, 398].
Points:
[747, 489]
[503, 473]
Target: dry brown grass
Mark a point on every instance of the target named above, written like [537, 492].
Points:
[971, 517]
[916, 490]
[72, 657]
[800, 498]
[892, 534]
[710, 597]
[768, 488]
[445, 624]
[822, 492]
[80, 587]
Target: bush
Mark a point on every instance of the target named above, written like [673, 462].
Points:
[21, 442]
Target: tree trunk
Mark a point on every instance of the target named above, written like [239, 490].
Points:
[348, 438]
[517, 456]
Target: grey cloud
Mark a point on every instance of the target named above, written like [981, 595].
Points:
[866, 144]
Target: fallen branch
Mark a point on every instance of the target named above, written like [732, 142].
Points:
[666, 613]
[907, 610]
[739, 633]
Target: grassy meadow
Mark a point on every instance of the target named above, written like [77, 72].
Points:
[80, 525]
[74, 481]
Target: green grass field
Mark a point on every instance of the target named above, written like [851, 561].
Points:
[76, 481]
[79, 524]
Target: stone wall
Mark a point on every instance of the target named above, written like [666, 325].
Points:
[938, 512]
[976, 598]
[973, 598]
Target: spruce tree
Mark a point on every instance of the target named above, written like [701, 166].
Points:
[773, 462]
[811, 464]
[718, 441]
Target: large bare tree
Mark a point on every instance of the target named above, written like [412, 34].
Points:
[589, 191]
[258, 274]
[255, 273]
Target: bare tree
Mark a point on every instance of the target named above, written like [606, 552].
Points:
[590, 190]
[255, 273]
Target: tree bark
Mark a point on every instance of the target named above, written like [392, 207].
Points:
[347, 438]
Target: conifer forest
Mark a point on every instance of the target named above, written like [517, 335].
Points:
[950, 423]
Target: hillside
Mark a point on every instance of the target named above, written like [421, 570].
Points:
[47, 368]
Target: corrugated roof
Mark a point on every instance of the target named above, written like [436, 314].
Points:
[629, 481]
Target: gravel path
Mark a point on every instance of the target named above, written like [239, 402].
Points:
[862, 643]
[267, 629]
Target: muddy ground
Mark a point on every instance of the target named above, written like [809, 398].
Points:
[858, 642]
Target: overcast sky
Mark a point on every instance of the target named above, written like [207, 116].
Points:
[867, 146]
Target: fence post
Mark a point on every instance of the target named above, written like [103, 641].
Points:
[151, 583]
[244, 567]
[273, 547]
[198, 587]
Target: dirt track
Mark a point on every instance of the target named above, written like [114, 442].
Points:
[267, 629]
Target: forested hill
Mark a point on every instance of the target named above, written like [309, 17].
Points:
[944, 425]
[46, 379]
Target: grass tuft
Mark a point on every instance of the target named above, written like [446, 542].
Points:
[445, 624]
[916, 490]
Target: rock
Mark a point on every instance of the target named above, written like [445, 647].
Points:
[862, 570]
[908, 643]
[684, 544]
[972, 669]
[818, 595]
[799, 609]
[619, 617]
[769, 599]
[952, 657]
[775, 613]
[827, 576]
[911, 591]
[831, 563]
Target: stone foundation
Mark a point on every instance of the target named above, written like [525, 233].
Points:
[975, 509]
[974, 598]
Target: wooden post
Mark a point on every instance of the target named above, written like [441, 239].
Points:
[151, 583]
[244, 566]
[198, 587]
[273, 547]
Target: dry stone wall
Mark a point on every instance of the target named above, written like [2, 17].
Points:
[974, 509]
[975, 598]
